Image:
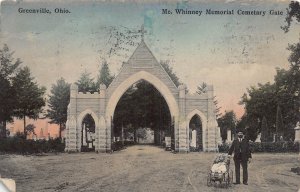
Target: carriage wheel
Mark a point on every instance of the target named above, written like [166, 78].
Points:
[227, 180]
[209, 183]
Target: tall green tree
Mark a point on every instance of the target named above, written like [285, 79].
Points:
[58, 104]
[227, 122]
[279, 122]
[6, 104]
[260, 101]
[217, 109]
[293, 12]
[201, 89]
[264, 130]
[30, 128]
[8, 67]
[8, 63]
[86, 83]
[29, 96]
[250, 126]
[104, 76]
[292, 76]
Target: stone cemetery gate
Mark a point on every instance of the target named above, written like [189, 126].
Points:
[100, 107]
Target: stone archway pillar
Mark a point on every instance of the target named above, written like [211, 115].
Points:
[212, 125]
[71, 125]
[182, 133]
[101, 134]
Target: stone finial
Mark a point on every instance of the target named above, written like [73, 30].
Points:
[209, 88]
[102, 87]
[73, 90]
[182, 89]
[210, 91]
[74, 86]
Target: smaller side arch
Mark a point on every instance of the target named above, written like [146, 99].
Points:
[203, 122]
[83, 114]
[80, 118]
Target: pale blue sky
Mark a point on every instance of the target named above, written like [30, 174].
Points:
[232, 52]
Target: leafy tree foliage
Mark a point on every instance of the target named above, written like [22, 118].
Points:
[292, 12]
[58, 104]
[250, 126]
[262, 101]
[8, 67]
[201, 89]
[6, 104]
[30, 128]
[264, 130]
[141, 133]
[277, 105]
[29, 96]
[289, 80]
[8, 64]
[86, 83]
[227, 122]
[279, 122]
[142, 106]
[104, 76]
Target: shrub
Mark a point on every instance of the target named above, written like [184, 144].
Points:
[272, 147]
[20, 145]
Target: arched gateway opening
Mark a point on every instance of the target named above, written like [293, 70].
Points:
[88, 133]
[195, 134]
[197, 126]
[160, 87]
[141, 116]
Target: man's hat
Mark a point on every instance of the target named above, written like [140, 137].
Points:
[240, 133]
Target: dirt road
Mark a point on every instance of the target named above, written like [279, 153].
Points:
[141, 168]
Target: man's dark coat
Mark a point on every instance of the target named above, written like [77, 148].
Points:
[242, 153]
[241, 150]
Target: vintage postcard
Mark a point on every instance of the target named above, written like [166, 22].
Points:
[187, 95]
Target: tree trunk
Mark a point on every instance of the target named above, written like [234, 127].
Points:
[134, 136]
[3, 131]
[25, 132]
[60, 131]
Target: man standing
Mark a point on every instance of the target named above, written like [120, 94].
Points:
[242, 155]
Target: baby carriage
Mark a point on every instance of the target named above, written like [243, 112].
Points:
[220, 171]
